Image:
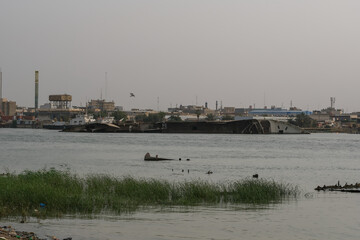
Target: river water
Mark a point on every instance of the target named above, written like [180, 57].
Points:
[302, 160]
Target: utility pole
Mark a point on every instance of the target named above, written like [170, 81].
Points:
[0, 84]
[106, 86]
[332, 102]
[158, 103]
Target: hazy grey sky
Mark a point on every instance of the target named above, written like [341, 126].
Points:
[240, 52]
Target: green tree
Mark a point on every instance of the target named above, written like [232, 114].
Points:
[14, 124]
[100, 114]
[304, 121]
[155, 117]
[198, 112]
[174, 118]
[161, 116]
[118, 115]
[210, 117]
[151, 118]
[227, 117]
[140, 117]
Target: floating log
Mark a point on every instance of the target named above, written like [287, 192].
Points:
[346, 190]
[350, 190]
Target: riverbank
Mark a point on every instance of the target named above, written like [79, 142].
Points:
[9, 233]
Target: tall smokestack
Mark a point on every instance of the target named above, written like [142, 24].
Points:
[0, 84]
[36, 90]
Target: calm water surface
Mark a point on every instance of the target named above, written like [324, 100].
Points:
[303, 160]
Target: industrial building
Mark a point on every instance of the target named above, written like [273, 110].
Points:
[7, 108]
[277, 112]
[102, 105]
[57, 114]
[228, 111]
[61, 101]
[60, 109]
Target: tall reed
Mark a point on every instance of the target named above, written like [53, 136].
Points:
[52, 192]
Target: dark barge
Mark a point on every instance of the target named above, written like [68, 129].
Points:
[248, 126]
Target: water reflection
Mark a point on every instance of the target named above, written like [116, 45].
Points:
[303, 160]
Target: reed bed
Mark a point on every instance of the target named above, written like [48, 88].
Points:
[53, 193]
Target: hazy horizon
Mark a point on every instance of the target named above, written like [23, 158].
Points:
[182, 52]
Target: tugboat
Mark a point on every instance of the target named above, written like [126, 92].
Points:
[82, 119]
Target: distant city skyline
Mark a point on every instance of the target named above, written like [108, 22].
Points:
[181, 52]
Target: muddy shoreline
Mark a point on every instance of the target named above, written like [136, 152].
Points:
[10, 233]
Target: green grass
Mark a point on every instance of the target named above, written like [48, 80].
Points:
[66, 193]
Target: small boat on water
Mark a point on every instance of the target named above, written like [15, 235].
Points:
[55, 126]
[156, 158]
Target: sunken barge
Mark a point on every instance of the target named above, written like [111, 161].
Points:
[248, 126]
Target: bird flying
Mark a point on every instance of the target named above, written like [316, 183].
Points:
[132, 94]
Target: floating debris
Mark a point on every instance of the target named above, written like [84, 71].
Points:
[337, 187]
[9, 233]
[147, 157]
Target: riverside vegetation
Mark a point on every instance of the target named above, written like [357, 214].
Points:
[53, 193]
